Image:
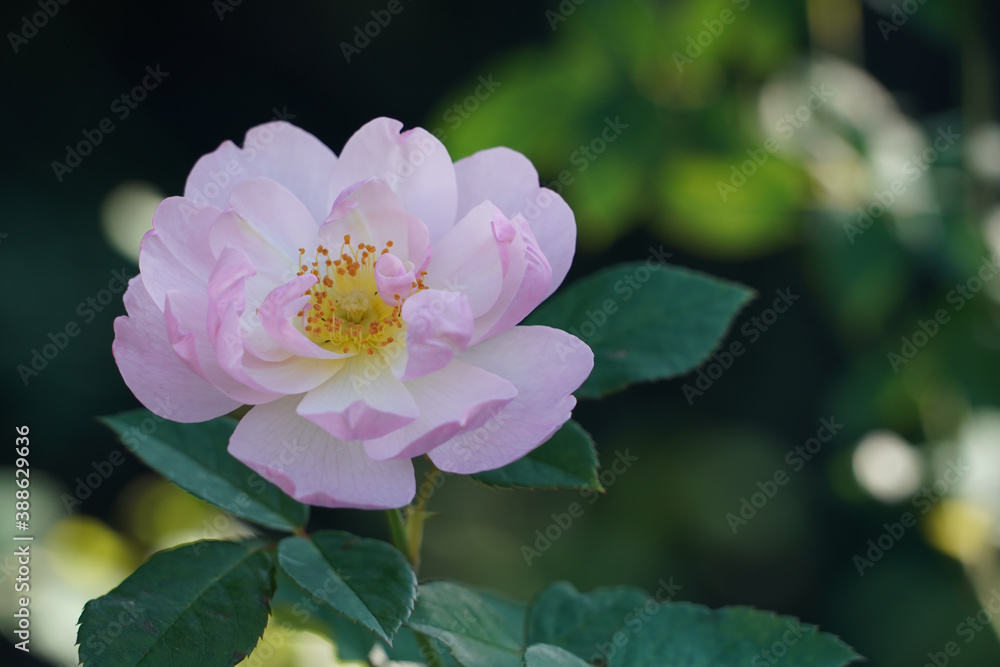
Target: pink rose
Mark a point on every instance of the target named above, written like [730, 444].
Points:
[366, 306]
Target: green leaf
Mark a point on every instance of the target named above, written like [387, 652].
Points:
[567, 460]
[353, 641]
[476, 632]
[643, 323]
[625, 627]
[366, 580]
[194, 457]
[546, 655]
[690, 635]
[296, 608]
[561, 616]
[406, 648]
[514, 613]
[201, 604]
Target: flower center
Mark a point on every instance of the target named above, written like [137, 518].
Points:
[345, 312]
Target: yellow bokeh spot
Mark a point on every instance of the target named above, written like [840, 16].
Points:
[283, 646]
[162, 515]
[960, 529]
[730, 207]
[83, 544]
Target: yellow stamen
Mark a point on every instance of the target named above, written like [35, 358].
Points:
[345, 313]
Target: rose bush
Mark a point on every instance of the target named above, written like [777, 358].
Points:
[365, 305]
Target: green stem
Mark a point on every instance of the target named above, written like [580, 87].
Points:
[416, 515]
[397, 529]
[407, 531]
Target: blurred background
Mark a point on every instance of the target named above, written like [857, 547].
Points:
[844, 152]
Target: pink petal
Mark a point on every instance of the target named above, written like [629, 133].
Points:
[187, 331]
[525, 284]
[455, 398]
[184, 228]
[314, 467]
[280, 151]
[275, 213]
[546, 365]
[250, 328]
[224, 325]
[371, 212]
[162, 271]
[471, 257]
[361, 402]
[151, 369]
[269, 224]
[501, 175]
[509, 180]
[227, 287]
[231, 231]
[439, 325]
[277, 313]
[394, 278]
[414, 163]
[295, 375]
